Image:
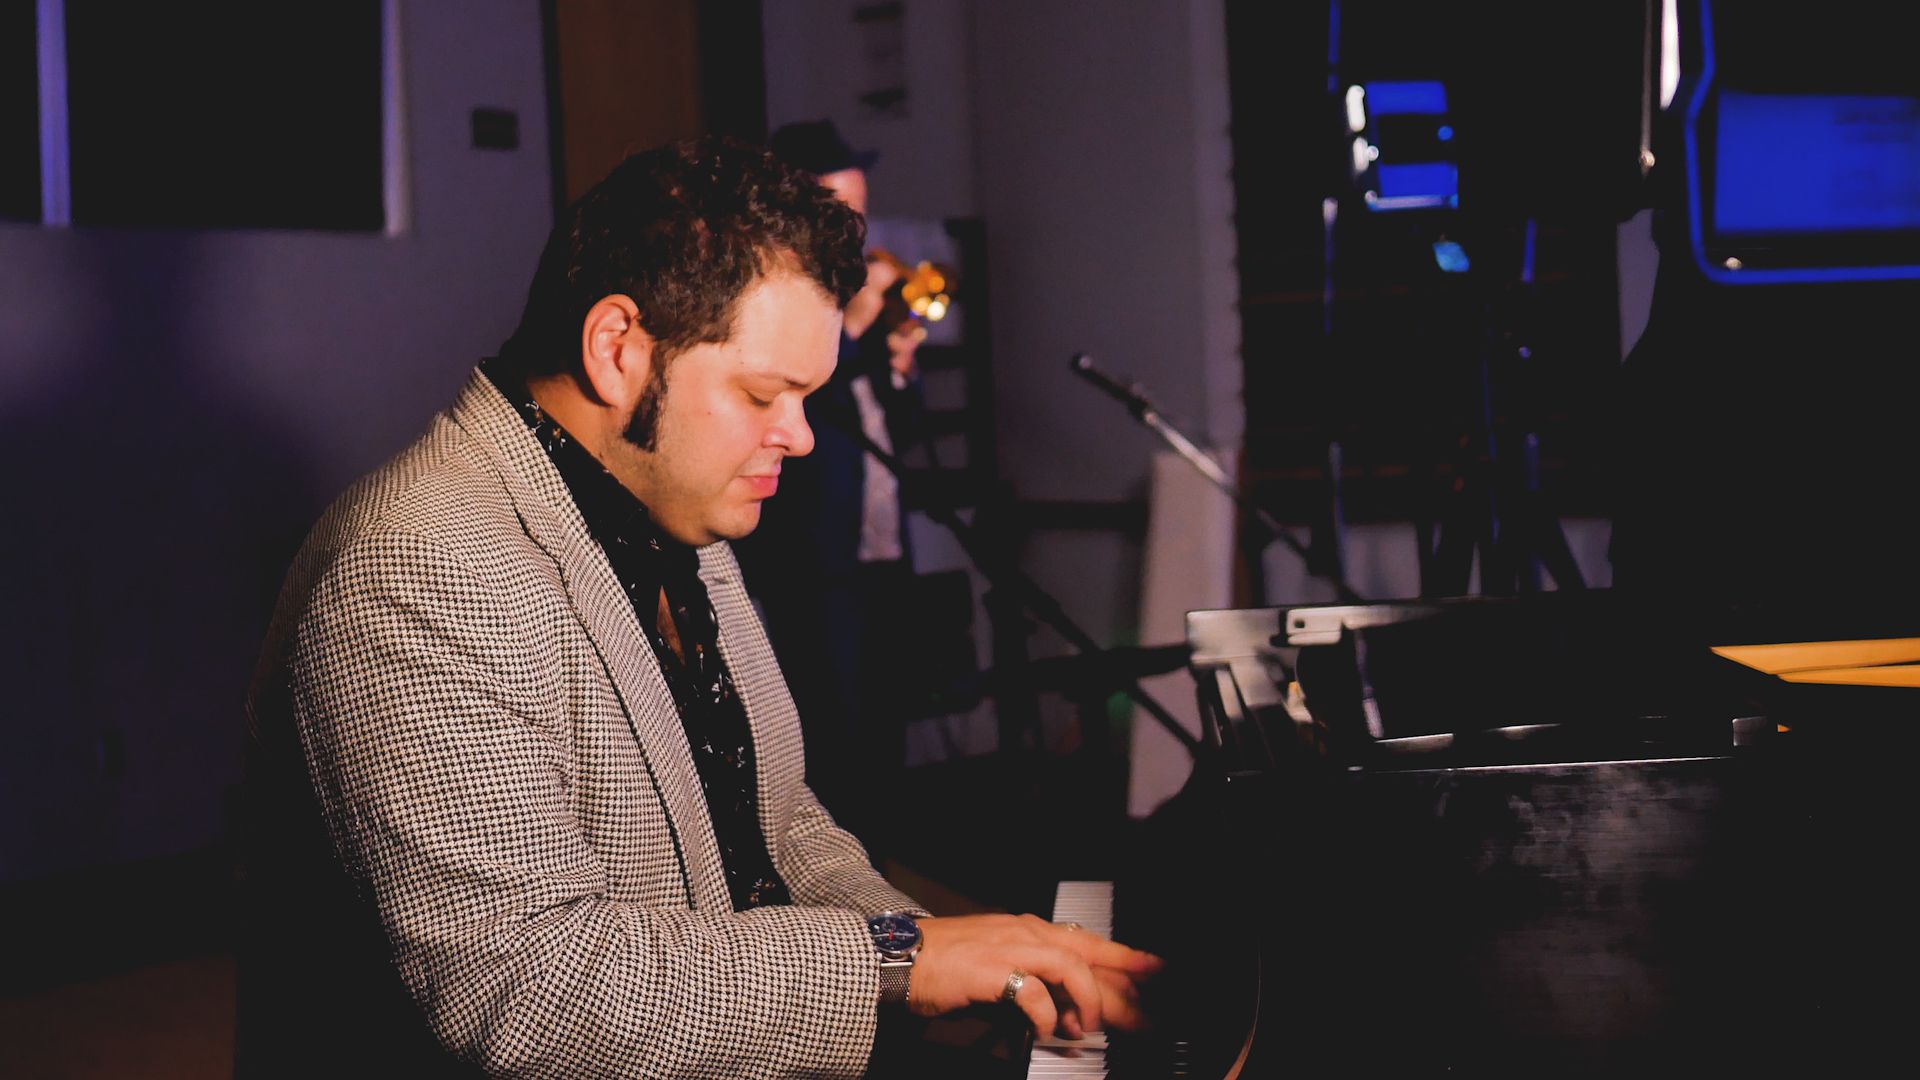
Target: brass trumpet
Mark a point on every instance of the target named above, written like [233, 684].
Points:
[924, 292]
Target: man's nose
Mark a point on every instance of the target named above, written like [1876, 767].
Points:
[792, 433]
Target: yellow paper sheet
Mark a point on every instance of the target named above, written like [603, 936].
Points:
[1885, 675]
[1824, 655]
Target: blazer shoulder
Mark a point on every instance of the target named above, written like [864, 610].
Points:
[443, 487]
[439, 500]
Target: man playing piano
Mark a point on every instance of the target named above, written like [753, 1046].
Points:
[524, 778]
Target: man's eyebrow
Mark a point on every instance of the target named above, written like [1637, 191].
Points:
[770, 376]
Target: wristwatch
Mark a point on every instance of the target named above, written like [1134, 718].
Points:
[896, 937]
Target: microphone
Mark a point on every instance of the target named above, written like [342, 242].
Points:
[1130, 396]
[1145, 412]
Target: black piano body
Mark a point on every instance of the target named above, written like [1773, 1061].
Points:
[1540, 838]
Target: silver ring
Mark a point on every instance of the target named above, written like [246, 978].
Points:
[1072, 926]
[1015, 981]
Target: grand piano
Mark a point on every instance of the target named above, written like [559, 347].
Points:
[1552, 835]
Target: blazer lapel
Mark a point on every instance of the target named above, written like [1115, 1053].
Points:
[548, 512]
[779, 759]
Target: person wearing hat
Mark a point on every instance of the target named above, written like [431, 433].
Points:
[831, 565]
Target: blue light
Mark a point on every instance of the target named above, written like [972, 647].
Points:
[1451, 257]
[1753, 207]
[1816, 163]
[1445, 134]
[1398, 98]
[1435, 179]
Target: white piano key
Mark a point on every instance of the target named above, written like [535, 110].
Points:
[1092, 1040]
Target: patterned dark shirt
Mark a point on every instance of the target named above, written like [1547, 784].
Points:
[647, 561]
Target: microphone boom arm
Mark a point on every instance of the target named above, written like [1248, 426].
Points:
[1145, 412]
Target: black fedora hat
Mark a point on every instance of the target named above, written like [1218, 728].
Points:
[817, 147]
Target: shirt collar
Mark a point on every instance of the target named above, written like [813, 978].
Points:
[615, 517]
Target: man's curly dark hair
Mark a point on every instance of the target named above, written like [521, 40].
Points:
[683, 230]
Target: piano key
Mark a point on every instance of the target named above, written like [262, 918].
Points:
[1092, 1040]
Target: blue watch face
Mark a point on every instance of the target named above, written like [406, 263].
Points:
[894, 933]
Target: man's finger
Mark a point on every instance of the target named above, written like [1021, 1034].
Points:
[1101, 952]
[1034, 1000]
[1120, 1007]
[1061, 968]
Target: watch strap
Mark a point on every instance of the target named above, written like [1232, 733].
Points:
[895, 976]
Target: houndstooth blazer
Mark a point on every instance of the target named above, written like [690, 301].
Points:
[456, 677]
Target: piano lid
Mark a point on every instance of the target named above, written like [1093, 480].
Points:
[1625, 675]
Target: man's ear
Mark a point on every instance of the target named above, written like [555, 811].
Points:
[616, 353]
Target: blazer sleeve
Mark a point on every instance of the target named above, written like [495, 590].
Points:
[823, 864]
[443, 783]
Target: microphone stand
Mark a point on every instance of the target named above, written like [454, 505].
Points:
[1145, 412]
[1002, 573]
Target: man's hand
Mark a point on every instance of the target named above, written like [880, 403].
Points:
[865, 306]
[1076, 981]
[901, 344]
